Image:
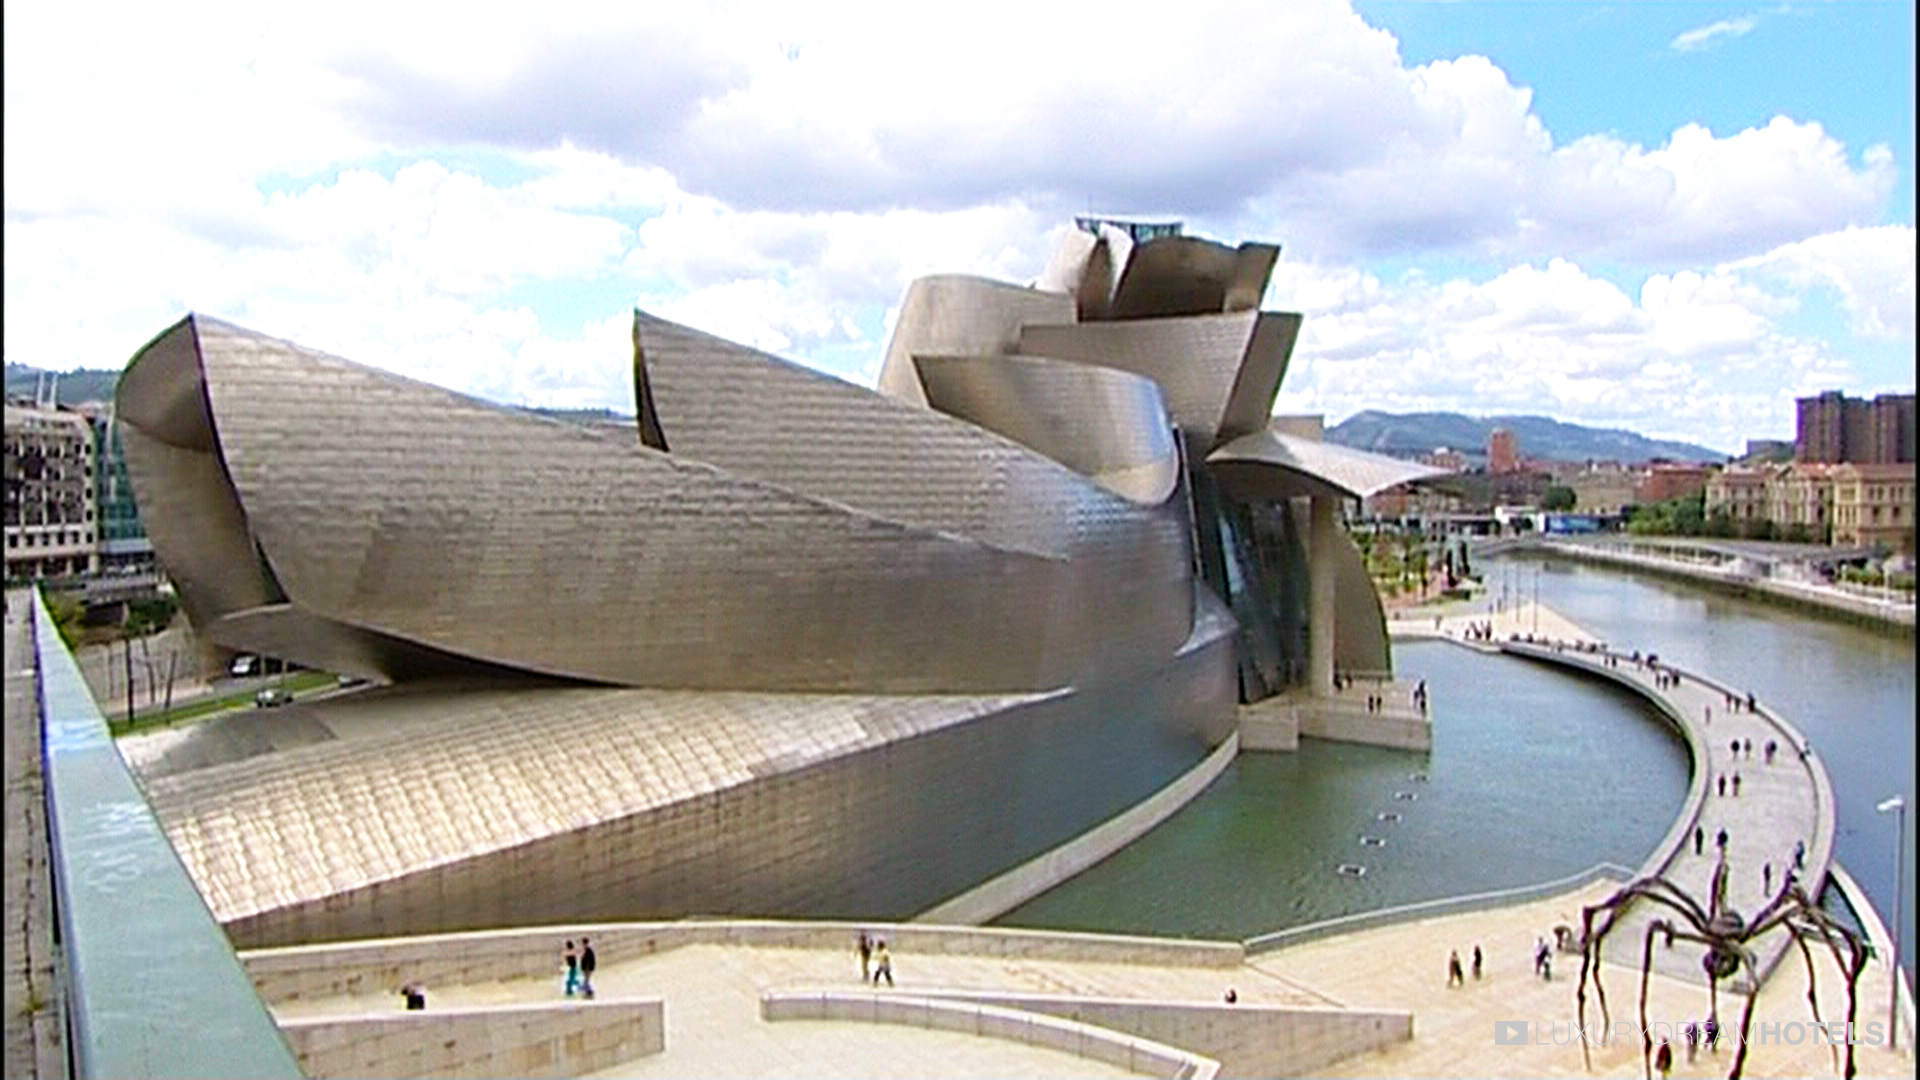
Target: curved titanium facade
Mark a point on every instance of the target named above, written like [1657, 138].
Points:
[355, 507]
[1107, 425]
[795, 647]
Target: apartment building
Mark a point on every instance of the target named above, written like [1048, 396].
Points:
[50, 521]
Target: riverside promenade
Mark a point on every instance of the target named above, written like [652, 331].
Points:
[1773, 810]
[1771, 807]
[1742, 576]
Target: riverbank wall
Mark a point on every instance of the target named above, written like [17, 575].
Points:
[1814, 599]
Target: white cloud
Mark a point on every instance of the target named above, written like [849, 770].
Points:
[475, 201]
[1703, 36]
[1700, 357]
[1871, 270]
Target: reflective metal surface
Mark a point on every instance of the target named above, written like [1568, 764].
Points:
[844, 652]
[1273, 464]
[1107, 425]
[1196, 359]
[476, 806]
[956, 315]
[411, 530]
[1185, 275]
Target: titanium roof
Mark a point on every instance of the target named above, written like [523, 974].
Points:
[1314, 466]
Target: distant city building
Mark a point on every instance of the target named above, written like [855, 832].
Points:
[1740, 493]
[1768, 450]
[1443, 458]
[1802, 495]
[123, 542]
[1502, 455]
[50, 524]
[1873, 505]
[1600, 487]
[1665, 480]
[1833, 428]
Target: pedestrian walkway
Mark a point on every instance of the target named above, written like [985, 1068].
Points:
[1484, 627]
[1769, 811]
[34, 1046]
[1403, 966]
[712, 991]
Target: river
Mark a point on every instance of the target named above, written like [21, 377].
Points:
[1534, 774]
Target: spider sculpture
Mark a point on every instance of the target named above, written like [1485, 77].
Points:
[1726, 935]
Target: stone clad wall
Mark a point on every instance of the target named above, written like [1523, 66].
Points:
[1136, 1055]
[480, 1041]
[1247, 1040]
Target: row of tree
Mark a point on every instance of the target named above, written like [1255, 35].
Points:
[1687, 516]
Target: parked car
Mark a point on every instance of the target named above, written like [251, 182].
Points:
[270, 697]
[243, 665]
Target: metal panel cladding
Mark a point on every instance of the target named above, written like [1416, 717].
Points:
[467, 530]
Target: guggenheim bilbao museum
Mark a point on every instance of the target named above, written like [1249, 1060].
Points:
[793, 647]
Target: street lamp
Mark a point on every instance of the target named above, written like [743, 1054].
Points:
[1898, 807]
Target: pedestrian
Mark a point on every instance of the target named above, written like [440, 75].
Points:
[1693, 1040]
[1455, 977]
[1713, 1034]
[882, 963]
[1721, 839]
[1799, 854]
[573, 970]
[1723, 785]
[1232, 995]
[1752, 706]
[1539, 954]
[1747, 749]
[1699, 838]
[1736, 785]
[416, 996]
[1773, 746]
[865, 947]
[1663, 1059]
[1476, 963]
[1736, 747]
[1709, 709]
[1546, 967]
[587, 963]
[1766, 878]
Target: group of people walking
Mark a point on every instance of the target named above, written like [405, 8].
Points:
[580, 966]
[876, 962]
[1456, 975]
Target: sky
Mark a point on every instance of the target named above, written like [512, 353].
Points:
[1673, 218]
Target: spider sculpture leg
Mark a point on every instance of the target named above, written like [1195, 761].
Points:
[1746, 1014]
[1813, 998]
[1654, 890]
[1646, 970]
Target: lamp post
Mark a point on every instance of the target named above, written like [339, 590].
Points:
[1898, 807]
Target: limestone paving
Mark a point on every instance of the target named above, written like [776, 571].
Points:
[1404, 965]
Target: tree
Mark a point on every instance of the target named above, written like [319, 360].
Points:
[1558, 497]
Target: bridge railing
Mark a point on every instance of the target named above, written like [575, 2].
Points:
[151, 984]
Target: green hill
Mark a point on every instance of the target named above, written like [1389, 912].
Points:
[81, 384]
[1539, 437]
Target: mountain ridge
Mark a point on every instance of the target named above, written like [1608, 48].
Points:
[1539, 437]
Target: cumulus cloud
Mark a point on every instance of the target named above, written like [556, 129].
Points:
[1871, 271]
[777, 174]
[1702, 36]
[1696, 356]
[1343, 147]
